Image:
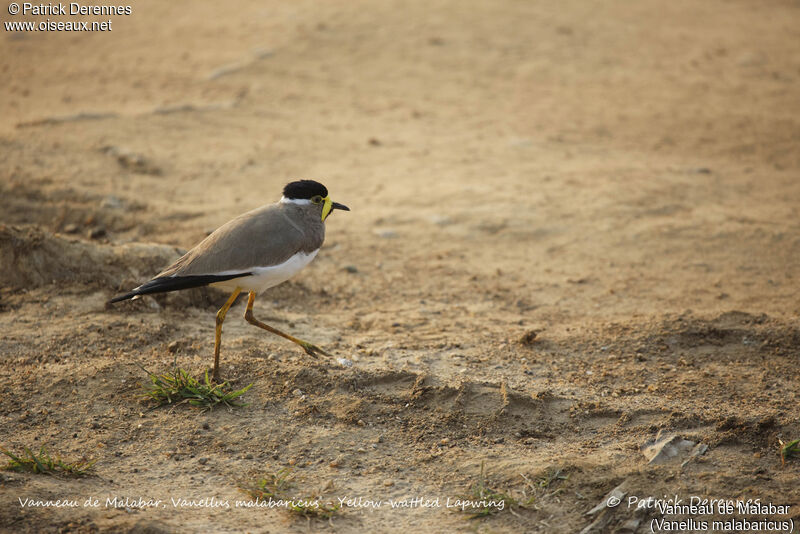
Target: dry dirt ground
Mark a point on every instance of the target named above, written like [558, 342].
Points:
[618, 178]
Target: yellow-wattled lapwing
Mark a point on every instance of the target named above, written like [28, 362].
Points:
[253, 252]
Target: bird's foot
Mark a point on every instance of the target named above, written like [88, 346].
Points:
[313, 350]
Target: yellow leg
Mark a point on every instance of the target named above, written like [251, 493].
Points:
[311, 350]
[218, 340]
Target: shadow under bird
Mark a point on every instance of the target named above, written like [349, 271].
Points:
[253, 252]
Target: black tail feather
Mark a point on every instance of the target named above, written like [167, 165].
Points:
[165, 284]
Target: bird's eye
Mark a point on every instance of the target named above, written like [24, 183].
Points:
[316, 199]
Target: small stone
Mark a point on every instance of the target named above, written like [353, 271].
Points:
[666, 448]
[751, 59]
[297, 392]
[352, 269]
[96, 233]
[111, 202]
[202, 461]
[132, 161]
[440, 220]
[386, 234]
[71, 229]
[528, 338]
[173, 347]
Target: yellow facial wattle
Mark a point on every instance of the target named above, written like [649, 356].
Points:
[327, 207]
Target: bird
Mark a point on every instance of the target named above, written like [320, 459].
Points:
[253, 252]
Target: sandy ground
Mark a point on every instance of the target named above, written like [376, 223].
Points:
[619, 178]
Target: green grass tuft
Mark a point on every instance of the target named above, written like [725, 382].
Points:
[789, 450]
[274, 485]
[553, 475]
[486, 500]
[277, 486]
[178, 386]
[43, 463]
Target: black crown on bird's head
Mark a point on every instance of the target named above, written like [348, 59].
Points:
[304, 189]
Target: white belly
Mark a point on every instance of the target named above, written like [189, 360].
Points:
[267, 277]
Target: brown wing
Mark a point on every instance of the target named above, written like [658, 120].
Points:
[260, 238]
[266, 236]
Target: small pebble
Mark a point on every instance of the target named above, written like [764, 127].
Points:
[111, 202]
[528, 338]
[440, 220]
[96, 233]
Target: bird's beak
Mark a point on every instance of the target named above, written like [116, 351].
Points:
[330, 206]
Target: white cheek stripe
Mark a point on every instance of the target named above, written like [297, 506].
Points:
[298, 201]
